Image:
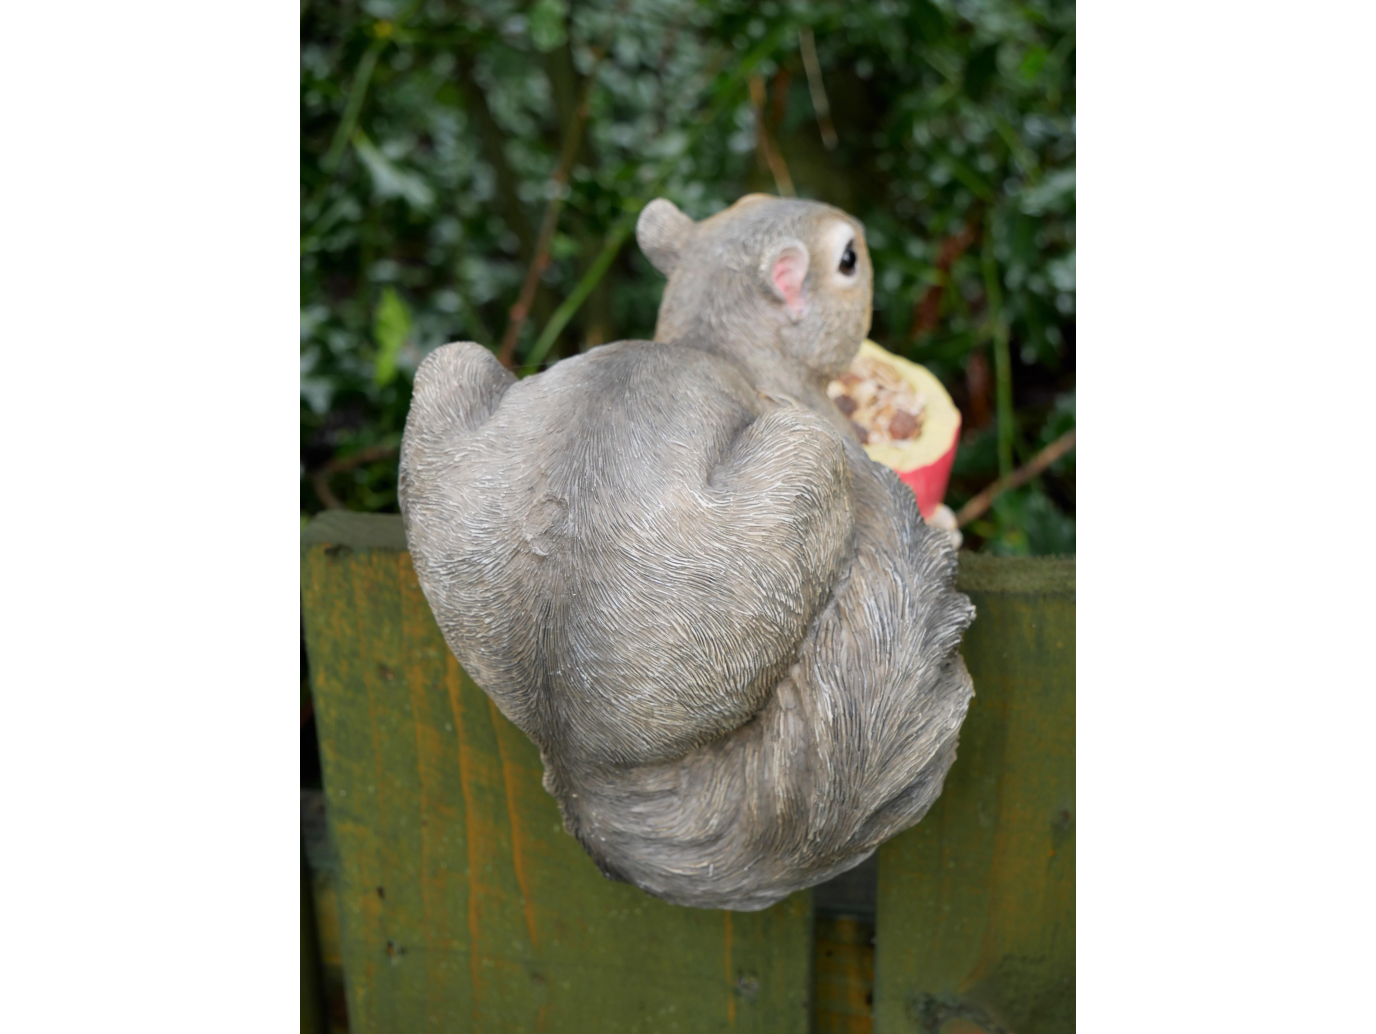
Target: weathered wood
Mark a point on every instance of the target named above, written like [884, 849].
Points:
[463, 904]
[844, 975]
[976, 904]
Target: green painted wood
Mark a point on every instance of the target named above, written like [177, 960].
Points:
[463, 905]
[843, 975]
[975, 928]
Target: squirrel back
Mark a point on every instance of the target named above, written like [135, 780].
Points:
[673, 566]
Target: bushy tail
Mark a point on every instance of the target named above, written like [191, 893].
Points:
[852, 747]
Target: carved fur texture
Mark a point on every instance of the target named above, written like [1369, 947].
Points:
[672, 565]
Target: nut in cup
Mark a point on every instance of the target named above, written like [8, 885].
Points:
[922, 460]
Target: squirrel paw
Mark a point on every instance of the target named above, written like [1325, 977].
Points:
[945, 519]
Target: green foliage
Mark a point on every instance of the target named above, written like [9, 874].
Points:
[547, 24]
[430, 132]
[392, 327]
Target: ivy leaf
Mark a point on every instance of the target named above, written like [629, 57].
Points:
[1056, 193]
[316, 391]
[390, 180]
[1032, 63]
[391, 328]
[926, 22]
[1062, 272]
[547, 19]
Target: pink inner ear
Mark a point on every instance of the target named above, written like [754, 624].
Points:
[790, 269]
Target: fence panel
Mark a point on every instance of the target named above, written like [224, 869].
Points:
[975, 928]
[463, 904]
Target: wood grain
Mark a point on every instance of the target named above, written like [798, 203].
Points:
[976, 904]
[463, 905]
[844, 975]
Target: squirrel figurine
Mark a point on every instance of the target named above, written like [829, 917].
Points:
[672, 565]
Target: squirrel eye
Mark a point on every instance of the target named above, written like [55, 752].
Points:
[848, 259]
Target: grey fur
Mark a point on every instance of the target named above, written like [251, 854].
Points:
[659, 230]
[673, 567]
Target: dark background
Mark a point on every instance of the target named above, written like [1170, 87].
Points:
[432, 135]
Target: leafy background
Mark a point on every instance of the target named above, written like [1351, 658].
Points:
[436, 135]
[432, 131]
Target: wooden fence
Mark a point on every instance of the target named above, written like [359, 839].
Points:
[460, 904]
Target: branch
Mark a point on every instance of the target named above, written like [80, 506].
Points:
[808, 46]
[557, 192]
[1038, 463]
[494, 143]
[1003, 362]
[383, 31]
[320, 479]
[781, 80]
[927, 312]
[617, 237]
[353, 106]
[977, 384]
[782, 180]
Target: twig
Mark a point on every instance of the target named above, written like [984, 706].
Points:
[927, 312]
[320, 479]
[557, 191]
[781, 80]
[1038, 463]
[808, 46]
[782, 180]
[977, 384]
[354, 105]
[709, 72]
[493, 142]
[623, 228]
[585, 287]
[1003, 362]
[383, 33]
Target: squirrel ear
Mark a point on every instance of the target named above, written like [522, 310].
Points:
[661, 232]
[785, 268]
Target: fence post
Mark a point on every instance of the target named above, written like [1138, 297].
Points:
[975, 925]
[463, 904]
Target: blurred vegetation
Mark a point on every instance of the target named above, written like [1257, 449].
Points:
[432, 130]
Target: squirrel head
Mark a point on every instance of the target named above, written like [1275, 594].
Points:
[765, 274]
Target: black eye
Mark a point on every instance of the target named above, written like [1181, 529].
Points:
[848, 260]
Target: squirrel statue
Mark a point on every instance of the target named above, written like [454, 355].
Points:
[672, 565]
